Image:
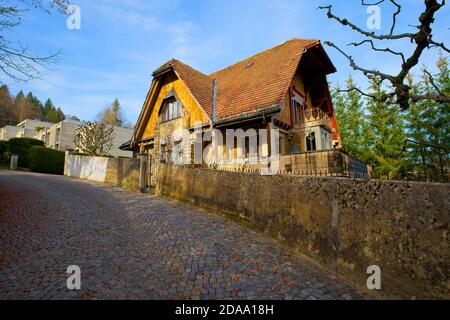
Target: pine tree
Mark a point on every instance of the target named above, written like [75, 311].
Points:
[414, 144]
[349, 108]
[117, 111]
[386, 138]
[428, 128]
[60, 115]
[417, 134]
[440, 133]
[35, 106]
[52, 114]
[112, 115]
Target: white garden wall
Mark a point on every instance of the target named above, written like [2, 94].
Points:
[90, 168]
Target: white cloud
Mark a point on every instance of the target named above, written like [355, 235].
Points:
[121, 15]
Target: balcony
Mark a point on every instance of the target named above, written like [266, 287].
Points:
[315, 117]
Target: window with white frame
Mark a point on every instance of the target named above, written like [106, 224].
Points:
[311, 142]
[172, 110]
[326, 141]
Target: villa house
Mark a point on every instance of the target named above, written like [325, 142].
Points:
[282, 88]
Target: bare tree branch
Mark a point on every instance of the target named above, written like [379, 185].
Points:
[422, 40]
[353, 26]
[367, 72]
[94, 138]
[357, 44]
[17, 62]
[408, 142]
[439, 45]
[394, 16]
[430, 78]
[385, 98]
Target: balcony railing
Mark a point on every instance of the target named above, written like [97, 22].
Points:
[317, 116]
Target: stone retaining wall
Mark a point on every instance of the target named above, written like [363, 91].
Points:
[124, 173]
[345, 224]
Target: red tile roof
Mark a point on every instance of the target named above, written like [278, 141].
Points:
[253, 84]
[199, 84]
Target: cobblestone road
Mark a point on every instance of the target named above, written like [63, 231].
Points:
[132, 246]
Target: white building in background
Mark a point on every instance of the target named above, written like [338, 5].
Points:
[26, 129]
[61, 135]
[8, 132]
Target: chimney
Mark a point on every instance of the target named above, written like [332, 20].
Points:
[214, 105]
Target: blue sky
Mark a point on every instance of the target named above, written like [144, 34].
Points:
[122, 41]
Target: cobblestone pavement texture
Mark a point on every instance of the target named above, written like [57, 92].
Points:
[134, 246]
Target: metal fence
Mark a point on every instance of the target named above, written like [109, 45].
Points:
[311, 173]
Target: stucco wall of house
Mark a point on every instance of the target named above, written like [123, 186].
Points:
[192, 112]
[347, 225]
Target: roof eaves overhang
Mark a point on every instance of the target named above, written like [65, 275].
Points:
[330, 66]
[126, 146]
[162, 70]
[248, 117]
[138, 130]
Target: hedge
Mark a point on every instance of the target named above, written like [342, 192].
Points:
[3, 151]
[21, 146]
[45, 160]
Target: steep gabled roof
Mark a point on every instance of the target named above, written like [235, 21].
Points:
[248, 86]
[260, 81]
[199, 84]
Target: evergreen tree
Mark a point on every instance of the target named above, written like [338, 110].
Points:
[349, 108]
[386, 138]
[52, 114]
[414, 144]
[60, 115]
[112, 115]
[36, 108]
[417, 134]
[26, 107]
[428, 128]
[440, 133]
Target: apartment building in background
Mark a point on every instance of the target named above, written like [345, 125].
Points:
[25, 129]
[61, 136]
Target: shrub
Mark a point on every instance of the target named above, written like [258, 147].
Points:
[21, 146]
[45, 160]
[4, 151]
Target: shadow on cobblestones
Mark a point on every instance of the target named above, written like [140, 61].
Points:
[133, 246]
